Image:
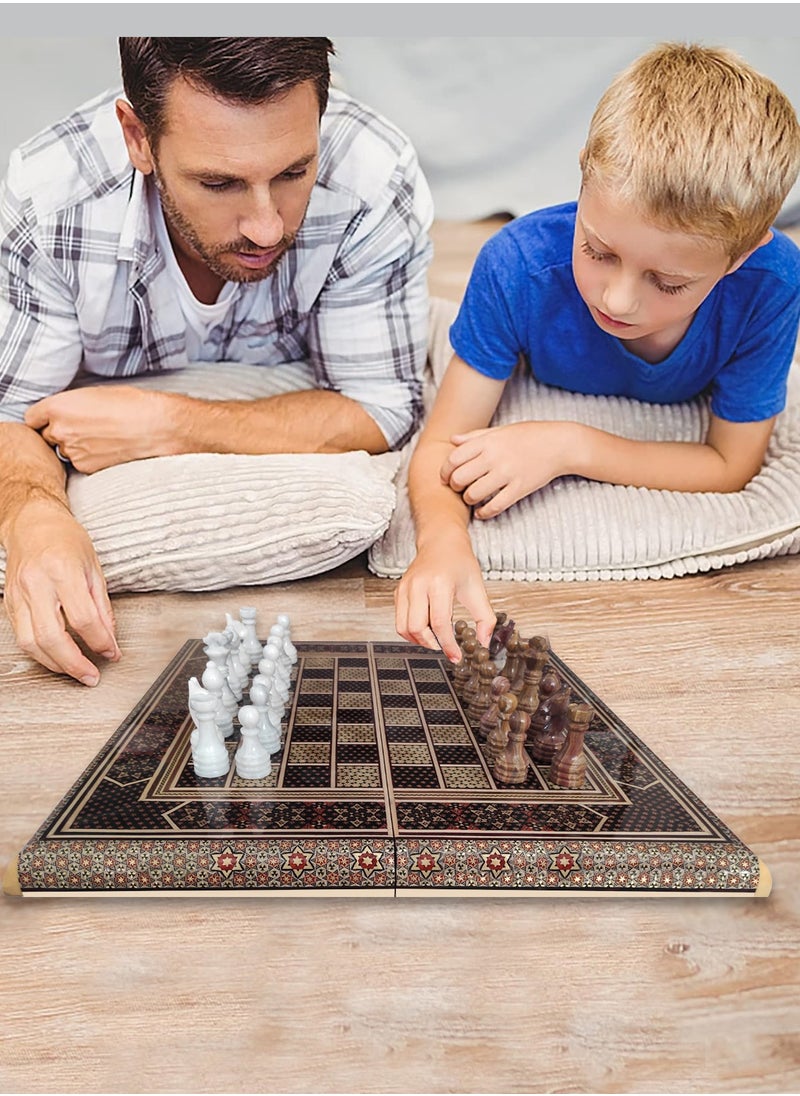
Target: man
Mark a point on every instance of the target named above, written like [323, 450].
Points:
[227, 209]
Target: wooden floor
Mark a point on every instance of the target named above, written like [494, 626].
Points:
[331, 995]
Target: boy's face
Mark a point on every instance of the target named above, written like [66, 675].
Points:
[640, 282]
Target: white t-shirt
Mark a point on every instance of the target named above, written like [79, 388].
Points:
[200, 318]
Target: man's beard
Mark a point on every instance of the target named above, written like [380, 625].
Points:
[213, 257]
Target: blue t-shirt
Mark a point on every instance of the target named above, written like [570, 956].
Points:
[522, 300]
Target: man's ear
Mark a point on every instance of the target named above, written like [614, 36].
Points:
[765, 239]
[139, 151]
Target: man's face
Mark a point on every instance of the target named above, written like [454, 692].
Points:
[640, 282]
[235, 179]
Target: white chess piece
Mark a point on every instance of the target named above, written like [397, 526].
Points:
[274, 650]
[269, 735]
[288, 646]
[250, 642]
[237, 631]
[216, 649]
[209, 754]
[214, 683]
[252, 760]
[266, 677]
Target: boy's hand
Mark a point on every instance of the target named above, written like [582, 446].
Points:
[498, 466]
[441, 573]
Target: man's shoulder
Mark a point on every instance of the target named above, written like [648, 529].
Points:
[79, 158]
[361, 152]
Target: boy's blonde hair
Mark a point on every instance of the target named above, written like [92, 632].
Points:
[699, 141]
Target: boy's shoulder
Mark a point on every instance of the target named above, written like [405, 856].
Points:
[535, 242]
[780, 259]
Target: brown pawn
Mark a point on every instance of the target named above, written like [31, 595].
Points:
[514, 650]
[528, 697]
[473, 682]
[542, 744]
[568, 767]
[511, 767]
[496, 742]
[491, 716]
[482, 699]
[463, 669]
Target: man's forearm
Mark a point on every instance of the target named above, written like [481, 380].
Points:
[31, 472]
[314, 421]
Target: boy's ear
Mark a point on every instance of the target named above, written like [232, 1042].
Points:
[139, 151]
[581, 157]
[765, 239]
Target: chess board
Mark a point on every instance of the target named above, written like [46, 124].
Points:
[381, 788]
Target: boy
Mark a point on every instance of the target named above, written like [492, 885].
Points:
[663, 281]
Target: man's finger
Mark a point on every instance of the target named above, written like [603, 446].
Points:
[37, 415]
[47, 640]
[89, 621]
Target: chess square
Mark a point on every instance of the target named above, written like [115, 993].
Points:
[401, 717]
[355, 732]
[409, 753]
[358, 776]
[465, 776]
[451, 733]
[347, 699]
[353, 673]
[304, 716]
[356, 753]
[309, 753]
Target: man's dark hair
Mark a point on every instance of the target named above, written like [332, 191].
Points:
[243, 70]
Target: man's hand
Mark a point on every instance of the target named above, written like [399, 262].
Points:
[53, 579]
[95, 428]
[499, 465]
[441, 573]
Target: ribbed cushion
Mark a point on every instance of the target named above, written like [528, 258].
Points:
[576, 529]
[207, 521]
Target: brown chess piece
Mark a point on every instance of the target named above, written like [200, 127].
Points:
[491, 716]
[472, 684]
[528, 696]
[542, 742]
[482, 699]
[496, 742]
[503, 630]
[511, 766]
[514, 650]
[463, 669]
[568, 767]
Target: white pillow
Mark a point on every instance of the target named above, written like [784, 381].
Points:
[207, 521]
[576, 529]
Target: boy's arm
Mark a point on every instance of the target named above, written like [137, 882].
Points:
[505, 463]
[445, 567]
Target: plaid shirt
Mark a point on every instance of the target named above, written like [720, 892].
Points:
[83, 285]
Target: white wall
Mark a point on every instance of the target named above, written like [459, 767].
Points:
[498, 122]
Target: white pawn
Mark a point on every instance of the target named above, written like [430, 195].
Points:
[269, 735]
[250, 642]
[213, 682]
[274, 650]
[266, 677]
[252, 760]
[209, 755]
[288, 646]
